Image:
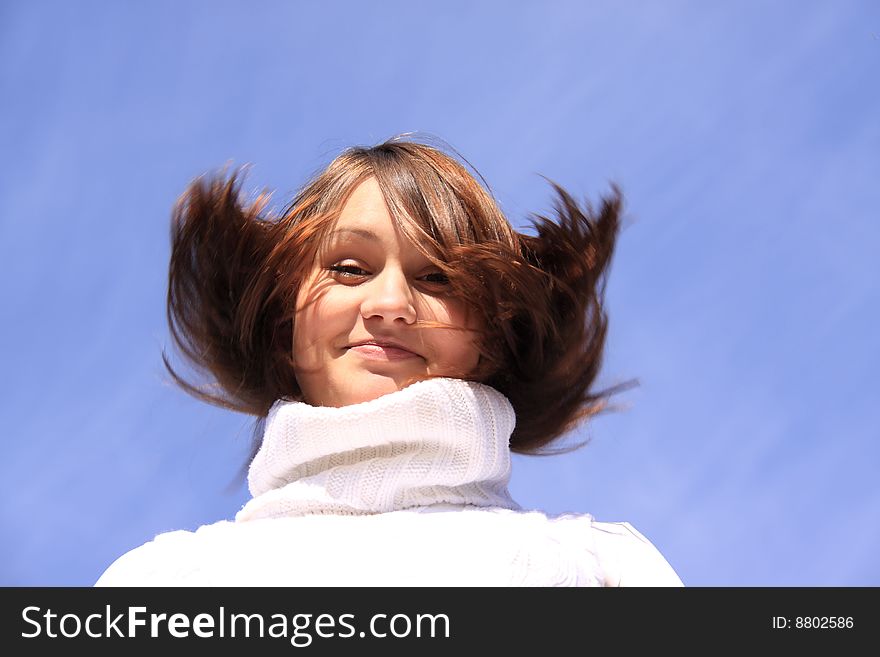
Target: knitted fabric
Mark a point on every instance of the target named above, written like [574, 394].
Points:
[409, 489]
[438, 441]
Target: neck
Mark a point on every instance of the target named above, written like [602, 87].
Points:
[439, 441]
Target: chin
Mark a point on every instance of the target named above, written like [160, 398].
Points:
[370, 388]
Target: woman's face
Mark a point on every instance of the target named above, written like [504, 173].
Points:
[356, 335]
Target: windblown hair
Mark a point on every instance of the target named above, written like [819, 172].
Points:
[235, 271]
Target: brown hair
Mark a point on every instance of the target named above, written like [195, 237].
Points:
[235, 271]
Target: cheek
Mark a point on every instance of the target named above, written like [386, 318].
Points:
[449, 311]
[301, 323]
[456, 349]
[321, 318]
[455, 353]
[308, 319]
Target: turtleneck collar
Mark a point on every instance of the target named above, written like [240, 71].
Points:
[436, 441]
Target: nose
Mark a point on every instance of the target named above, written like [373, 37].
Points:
[389, 297]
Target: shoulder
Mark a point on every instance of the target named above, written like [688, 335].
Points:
[630, 559]
[169, 559]
[621, 555]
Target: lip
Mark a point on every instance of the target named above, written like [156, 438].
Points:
[382, 350]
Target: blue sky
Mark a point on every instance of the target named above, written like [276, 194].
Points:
[742, 296]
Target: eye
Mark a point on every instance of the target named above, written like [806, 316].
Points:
[348, 271]
[437, 278]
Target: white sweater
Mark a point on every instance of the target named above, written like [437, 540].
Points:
[409, 489]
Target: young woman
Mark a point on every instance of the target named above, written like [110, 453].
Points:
[397, 340]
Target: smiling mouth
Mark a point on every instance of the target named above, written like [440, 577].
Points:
[382, 352]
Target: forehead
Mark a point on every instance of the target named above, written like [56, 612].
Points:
[364, 207]
[366, 219]
[364, 216]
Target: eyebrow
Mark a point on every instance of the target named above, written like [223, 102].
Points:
[361, 232]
